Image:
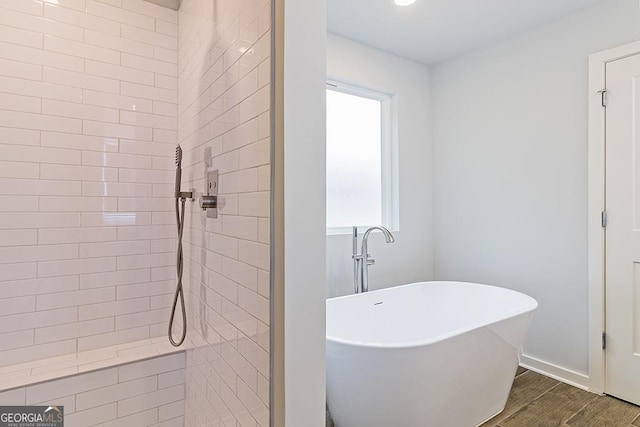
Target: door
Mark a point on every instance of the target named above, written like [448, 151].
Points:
[622, 276]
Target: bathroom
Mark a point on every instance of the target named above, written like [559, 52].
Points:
[94, 97]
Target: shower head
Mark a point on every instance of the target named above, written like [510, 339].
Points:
[178, 156]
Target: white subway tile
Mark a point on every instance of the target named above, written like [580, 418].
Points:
[166, 136]
[20, 36]
[37, 220]
[150, 400]
[17, 254]
[146, 8]
[113, 278]
[17, 305]
[172, 411]
[165, 55]
[73, 385]
[165, 108]
[259, 411]
[40, 122]
[147, 64]
[93, 416]
[147, 120]
[73, 330]
[84, 266]
[240, 226]
[256, 154]
[17, 238]
[254, 204]
[33, 7]
[15, 397]
[264, 230]
[116, 160]
[75, 235]
[17, 271]
[77, 173]
[119, 73]
[145, 204]
[35, 352]
[115, 189]
[113, 308]
[19, 170]
[41, 25]
[73, 4]
[95, 250]
[240, 272]
[150, 37]
[145, 289]
[18, 203]
[20, 70]
[81, 19]
[39, 89]
[131, 262]
[16, 136]
[120, 15]
[239, 364]
[112, 338]
[146, 176]
[16, 340]
[38, 286]
[78, 204]
[146, 233]
[80, 50]
[255, 304]
[106, 219]
[126, 321]
[116, 130]
[74, 298]
[148, 92]
[117, 43]
[255, 254]
[81, 80]
[242, 135]
[242, 181]
[144, 418]
[81, 142]
[120, 102]
[167, 28]
[264, 178]
[24, 104]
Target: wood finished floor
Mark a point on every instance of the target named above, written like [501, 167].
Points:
[539, 401]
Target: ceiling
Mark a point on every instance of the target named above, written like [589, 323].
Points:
[432, 31]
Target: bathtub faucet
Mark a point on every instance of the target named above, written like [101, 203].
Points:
[362, 261]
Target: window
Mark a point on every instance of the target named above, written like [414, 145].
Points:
[359, 159]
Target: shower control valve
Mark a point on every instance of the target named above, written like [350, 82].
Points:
[209, 202]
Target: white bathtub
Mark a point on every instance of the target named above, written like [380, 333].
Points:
[426, 354]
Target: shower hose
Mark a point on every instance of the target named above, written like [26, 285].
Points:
[179, 267]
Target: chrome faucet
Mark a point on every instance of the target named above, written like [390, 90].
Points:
[362, 261]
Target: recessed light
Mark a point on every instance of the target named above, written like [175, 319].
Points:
[404, 2]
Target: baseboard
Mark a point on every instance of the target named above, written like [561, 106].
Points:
[559, 373]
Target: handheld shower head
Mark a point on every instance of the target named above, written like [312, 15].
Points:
[178, 156]
[178, 171]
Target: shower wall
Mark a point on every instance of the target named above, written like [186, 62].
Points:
[88, 107]
[224, 91]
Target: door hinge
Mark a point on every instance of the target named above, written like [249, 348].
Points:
[604, 340]
[603, 97]
[604, 218]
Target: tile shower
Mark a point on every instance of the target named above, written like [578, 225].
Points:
[94, 96]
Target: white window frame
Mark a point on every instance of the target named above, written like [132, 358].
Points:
[389, 154]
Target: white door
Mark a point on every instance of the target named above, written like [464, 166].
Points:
[623, 229]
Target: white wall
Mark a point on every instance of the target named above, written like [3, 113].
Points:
[302, 44]
[224, 102]
[510, 144]
[410, 258]
[88, 94]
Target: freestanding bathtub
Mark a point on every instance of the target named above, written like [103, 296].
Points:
[433, 354]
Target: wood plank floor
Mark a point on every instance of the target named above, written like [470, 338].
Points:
[539, 401]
